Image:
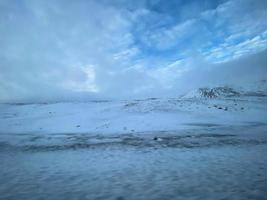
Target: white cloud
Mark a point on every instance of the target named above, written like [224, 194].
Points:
[42, 43]
[118, 48]
[82, 80]
[167, 38]
[228, 51]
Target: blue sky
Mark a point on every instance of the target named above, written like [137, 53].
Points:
[125, 48]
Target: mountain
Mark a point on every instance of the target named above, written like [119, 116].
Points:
[255, 89]
[212, 92]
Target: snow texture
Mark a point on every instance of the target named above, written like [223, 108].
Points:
[173, 148]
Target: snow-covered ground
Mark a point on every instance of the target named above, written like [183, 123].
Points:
[173, 148]
[114, 117]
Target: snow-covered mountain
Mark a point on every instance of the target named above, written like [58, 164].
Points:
[212, 92]
[256, 89]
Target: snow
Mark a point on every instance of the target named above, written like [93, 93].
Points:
[173, 148]
[201, 167]
[129, 116]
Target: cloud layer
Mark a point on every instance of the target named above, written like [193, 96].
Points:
[64, 50]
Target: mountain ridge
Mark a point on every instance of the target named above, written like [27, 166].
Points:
[256, 89]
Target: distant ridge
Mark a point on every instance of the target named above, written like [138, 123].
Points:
[213, 92]
[256, 89]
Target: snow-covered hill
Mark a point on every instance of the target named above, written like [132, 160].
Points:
[213, 92]
[256, 89]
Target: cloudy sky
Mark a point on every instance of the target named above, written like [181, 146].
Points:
[62, 49]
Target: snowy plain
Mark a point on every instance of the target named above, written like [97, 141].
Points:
[173, 148]
[113, 117]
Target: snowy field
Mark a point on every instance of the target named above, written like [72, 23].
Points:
[179, 148]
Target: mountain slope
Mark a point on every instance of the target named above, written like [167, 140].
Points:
[255, 89]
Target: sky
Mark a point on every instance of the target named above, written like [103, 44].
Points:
[66, 49]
